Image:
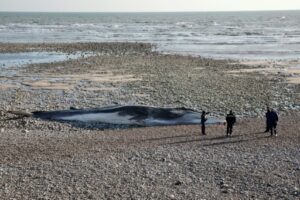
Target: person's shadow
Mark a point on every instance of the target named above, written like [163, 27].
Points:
[225, 140]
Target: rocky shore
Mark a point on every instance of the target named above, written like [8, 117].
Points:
[132, 73]
[52, 160]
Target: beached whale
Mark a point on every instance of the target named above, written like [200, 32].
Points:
[128, 115]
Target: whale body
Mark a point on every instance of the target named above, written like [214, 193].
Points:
[128, 115]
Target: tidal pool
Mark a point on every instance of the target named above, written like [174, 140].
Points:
[20, 59]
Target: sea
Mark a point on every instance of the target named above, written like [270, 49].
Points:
[221, 35]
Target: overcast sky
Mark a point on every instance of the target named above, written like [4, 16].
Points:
[146, 5]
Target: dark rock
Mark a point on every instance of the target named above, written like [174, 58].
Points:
[296, 193]
[225, 191]
[178, 183]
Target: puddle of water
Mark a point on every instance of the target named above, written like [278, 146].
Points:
[8, 60]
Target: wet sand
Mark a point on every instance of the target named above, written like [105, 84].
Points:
[286, 68]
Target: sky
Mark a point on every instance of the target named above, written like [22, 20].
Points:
[146, 5]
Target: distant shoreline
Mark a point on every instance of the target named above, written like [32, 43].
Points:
[136, 12]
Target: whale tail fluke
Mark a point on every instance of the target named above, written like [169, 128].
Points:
[20, 113]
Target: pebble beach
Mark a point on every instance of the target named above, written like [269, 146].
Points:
[53, 160]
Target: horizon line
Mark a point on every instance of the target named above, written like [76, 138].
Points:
[148, 11]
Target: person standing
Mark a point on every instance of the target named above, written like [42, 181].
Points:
[273, 119]
[230, 119]
[268, 120]
[203, 120]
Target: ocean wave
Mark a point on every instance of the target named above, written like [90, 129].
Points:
[253, 33]
[89, 25]
[197, 31]
[115, 26]
[245, 33]
[3, 27]
[227, 34]
[31, 27]
[185, 24]
[215, 24]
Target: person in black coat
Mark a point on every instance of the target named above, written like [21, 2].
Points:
[268, 120]
[203, 120]
[230, 119]
[273, 119]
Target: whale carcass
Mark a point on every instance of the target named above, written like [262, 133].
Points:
[128, 115]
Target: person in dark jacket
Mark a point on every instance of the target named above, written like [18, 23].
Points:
[273, 119]
[203, 120]
[230, 119]
[268, 120]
